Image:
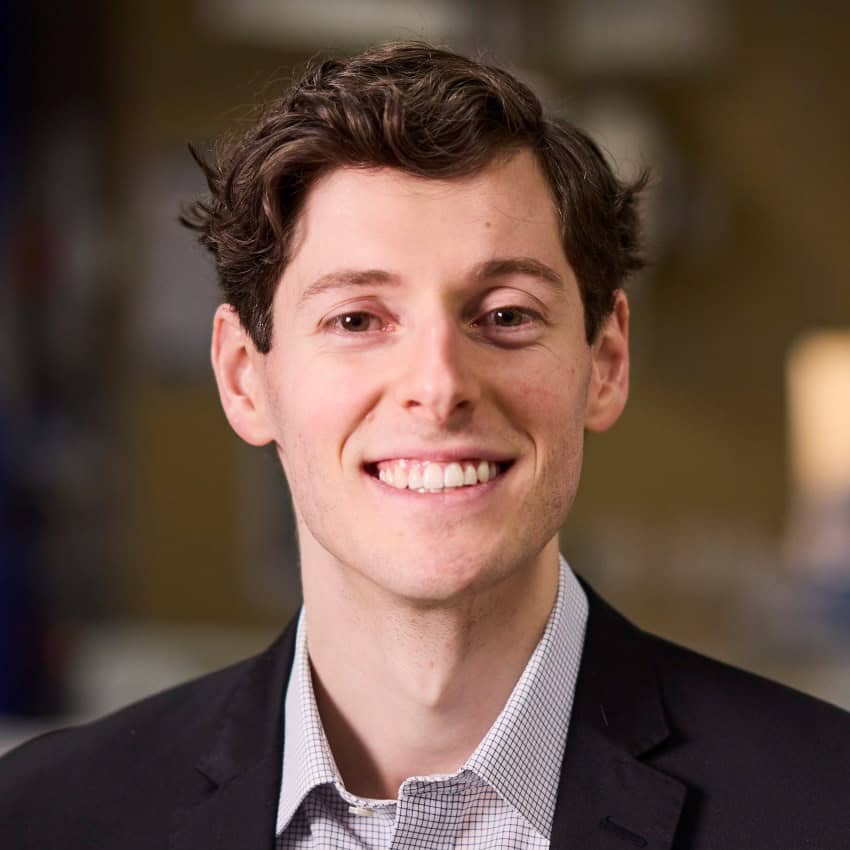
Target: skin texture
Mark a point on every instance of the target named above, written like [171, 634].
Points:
[396, 335]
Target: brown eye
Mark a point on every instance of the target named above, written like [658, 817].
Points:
[510, 326]
[508, 317]
[355, 322]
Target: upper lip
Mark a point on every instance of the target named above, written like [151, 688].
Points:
[444, 455]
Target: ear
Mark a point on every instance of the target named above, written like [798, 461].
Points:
[237, 366]
[609, 380]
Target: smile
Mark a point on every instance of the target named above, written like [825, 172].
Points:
[427, 476]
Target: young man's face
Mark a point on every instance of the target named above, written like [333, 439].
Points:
[425, 331]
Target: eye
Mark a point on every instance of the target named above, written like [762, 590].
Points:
[509, 317]
[355, 322]
[510, 326]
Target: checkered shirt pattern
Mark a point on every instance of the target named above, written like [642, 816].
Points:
[502, 798]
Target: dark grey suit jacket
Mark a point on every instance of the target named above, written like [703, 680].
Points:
[666, 749]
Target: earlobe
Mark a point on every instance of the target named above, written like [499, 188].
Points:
[235, 362]
[609, 381]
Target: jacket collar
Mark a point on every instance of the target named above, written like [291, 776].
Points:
[242, 769]
[608, 797]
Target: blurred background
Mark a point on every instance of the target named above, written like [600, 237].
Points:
[141, 543]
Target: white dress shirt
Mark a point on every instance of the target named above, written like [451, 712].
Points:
[503, 796]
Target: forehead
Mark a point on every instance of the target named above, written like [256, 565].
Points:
[364, 216]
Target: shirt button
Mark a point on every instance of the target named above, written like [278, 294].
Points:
[361, 811]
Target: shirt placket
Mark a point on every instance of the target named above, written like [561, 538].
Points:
[429, 814]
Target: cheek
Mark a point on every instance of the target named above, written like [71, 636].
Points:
[327, 398]
[549, 404]
[550, 398]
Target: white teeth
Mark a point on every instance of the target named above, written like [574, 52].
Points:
[414, 479]
[453, 475]
[432, 478]
[400, 477]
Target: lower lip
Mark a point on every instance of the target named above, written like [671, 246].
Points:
[454, 496]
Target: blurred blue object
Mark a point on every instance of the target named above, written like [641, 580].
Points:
[21, 673]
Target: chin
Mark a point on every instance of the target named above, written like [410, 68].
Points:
[438, 578]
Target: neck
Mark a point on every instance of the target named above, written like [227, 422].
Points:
[404, 690]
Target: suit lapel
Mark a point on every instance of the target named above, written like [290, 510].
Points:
[238, 814]
[608, 797]
[242, 768]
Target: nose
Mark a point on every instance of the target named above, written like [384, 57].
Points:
[437, 380]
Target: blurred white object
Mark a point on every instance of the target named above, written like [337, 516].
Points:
[114, 665]
[819, 412]
[118, 664]
[818, 379]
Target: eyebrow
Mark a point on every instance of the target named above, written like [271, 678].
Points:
[348, 278]
[527, 266]
[487, 270]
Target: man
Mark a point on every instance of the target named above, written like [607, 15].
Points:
[424, 314]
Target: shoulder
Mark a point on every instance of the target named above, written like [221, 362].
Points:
[134, 766]
[762, 765]
[708, 699]
[750, 719]
[765, 765]
[156, 717]
[691, 673]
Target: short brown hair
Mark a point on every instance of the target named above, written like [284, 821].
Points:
[428, 112]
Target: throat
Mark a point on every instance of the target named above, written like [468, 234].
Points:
[416, 700]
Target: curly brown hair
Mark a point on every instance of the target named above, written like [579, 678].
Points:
[428, 112]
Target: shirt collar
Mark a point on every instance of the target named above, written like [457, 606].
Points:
[307, 759]
[520, 756]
